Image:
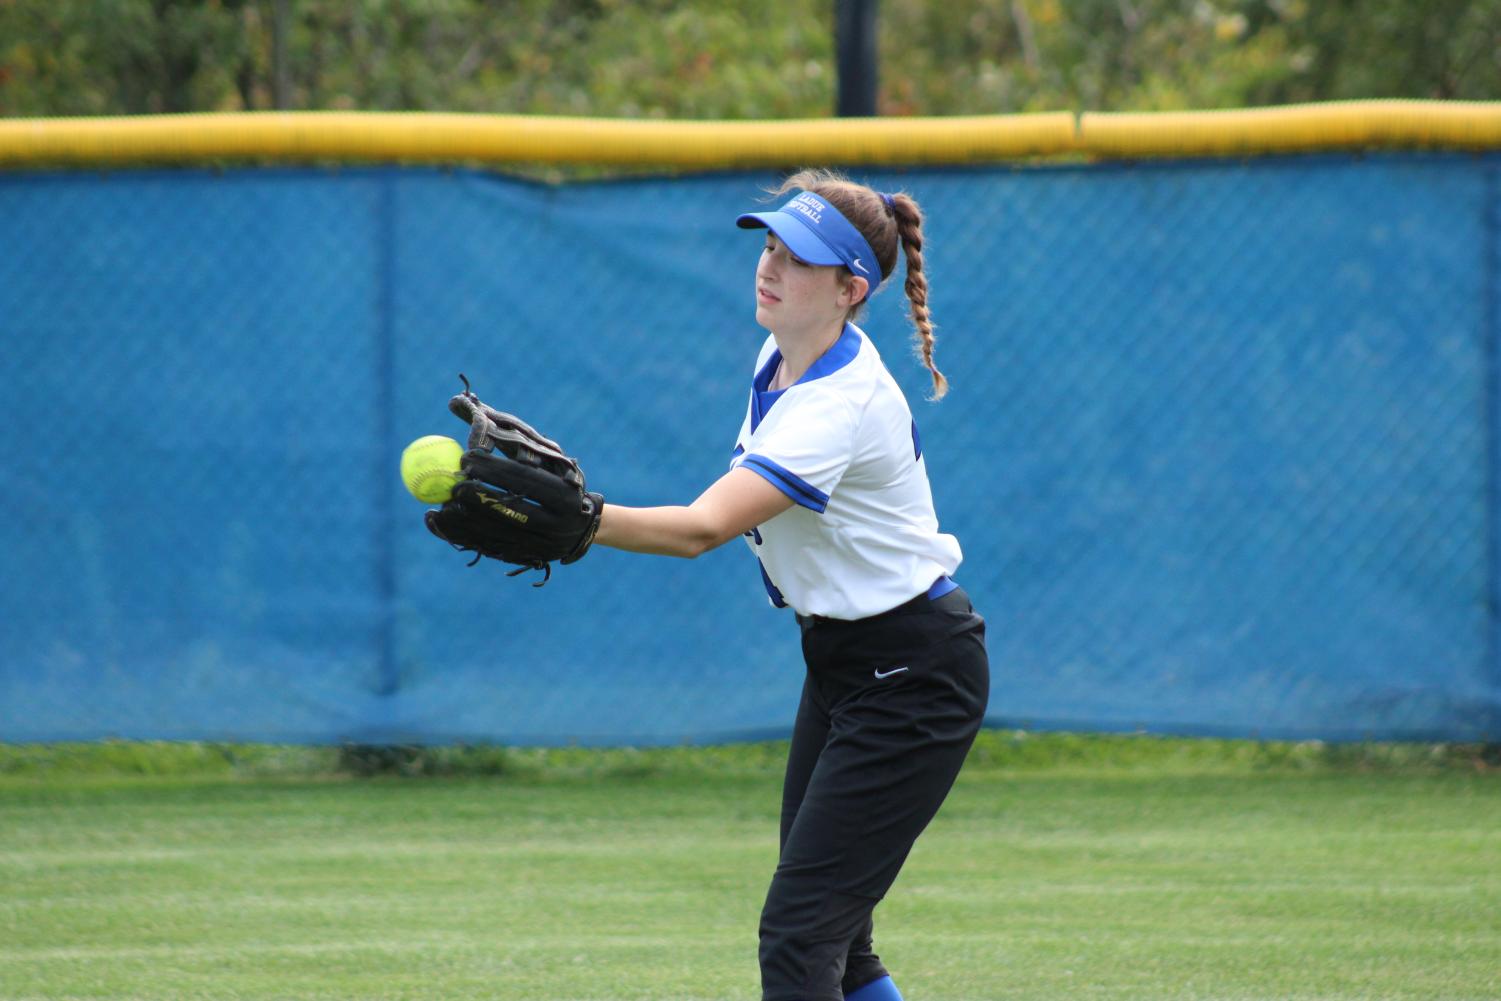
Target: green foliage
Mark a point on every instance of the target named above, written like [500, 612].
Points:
[72, 57]
[563, 57]
[1343, 49]
[160, 759]
[996, 752]
[1150, 55]
[732, 60]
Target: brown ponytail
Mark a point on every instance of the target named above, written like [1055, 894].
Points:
[885, 225]
[909, 228]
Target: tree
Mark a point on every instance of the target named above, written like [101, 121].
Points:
[732, 58]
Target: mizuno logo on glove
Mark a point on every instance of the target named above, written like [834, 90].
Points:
[500, 508]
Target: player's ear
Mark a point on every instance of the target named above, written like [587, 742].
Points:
[853, 291]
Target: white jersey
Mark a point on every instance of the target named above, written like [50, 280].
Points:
[862, 536]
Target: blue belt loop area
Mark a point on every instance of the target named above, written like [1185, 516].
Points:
[916, 606]
[942, 586]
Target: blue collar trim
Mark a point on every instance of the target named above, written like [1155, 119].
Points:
[761, 402]
[840, 354]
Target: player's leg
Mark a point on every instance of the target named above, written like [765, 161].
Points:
[895, 744]
[810, 731]
[846, 845]
[865, 978]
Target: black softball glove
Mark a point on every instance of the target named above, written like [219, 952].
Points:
[522, 500]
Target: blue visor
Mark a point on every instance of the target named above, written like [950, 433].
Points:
[815, 232]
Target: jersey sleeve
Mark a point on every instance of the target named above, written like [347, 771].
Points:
[804, 446]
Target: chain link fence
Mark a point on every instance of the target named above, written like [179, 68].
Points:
[1221, 449]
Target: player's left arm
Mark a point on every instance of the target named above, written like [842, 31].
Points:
[736, 503]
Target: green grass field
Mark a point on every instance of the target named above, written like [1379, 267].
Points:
[1061, 867]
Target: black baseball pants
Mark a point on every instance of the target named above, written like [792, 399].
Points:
[890, 707]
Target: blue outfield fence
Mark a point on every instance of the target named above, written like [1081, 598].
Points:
[1222, 449]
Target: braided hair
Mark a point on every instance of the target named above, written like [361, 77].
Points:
[887, 221]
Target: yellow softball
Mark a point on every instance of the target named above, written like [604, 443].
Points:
[430, 468]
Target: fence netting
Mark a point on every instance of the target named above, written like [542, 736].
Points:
[1221, 448]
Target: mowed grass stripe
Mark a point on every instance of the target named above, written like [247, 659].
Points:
[1129, 885]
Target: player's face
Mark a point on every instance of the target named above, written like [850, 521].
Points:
[794, 296]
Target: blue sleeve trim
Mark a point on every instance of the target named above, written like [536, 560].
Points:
[794, 486]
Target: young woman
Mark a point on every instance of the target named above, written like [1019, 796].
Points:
[828, 486]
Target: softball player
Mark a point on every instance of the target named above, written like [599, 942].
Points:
[828, 485]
